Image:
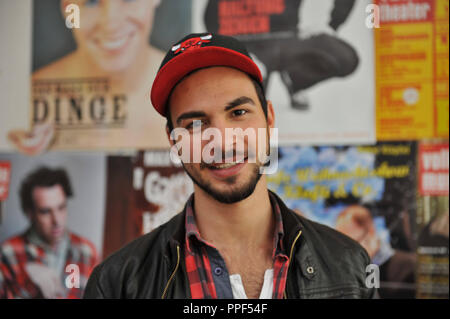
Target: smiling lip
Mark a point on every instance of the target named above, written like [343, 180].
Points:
[114, 45]
[57, 231]
[225, 170]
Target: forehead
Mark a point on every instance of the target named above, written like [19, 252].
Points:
[210, 88]
[43, 195]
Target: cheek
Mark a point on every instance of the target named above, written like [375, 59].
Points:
[63, 215]
[263, 144]
[43, 221]
[90, 18]
[192, 169]
[89, 26]
[190, 148]
[141, 14]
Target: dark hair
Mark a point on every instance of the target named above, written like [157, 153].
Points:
[42, 177]
[259, 92]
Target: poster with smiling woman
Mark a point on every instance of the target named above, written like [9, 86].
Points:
[93, 65]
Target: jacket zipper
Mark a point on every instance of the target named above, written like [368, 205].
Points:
[290, 258]
[173, 273]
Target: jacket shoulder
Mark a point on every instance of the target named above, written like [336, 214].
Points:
[15, 242]
[335, 240]
[110, 277]
[154, 240]
[337, 247]
[82, 243]
[339, 263]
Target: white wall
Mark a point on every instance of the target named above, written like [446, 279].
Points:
[15, 67]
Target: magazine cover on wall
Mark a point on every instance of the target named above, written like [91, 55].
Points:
[144, 191]
[433, 221]
[412, 50]
[367, 192]
[93, 66]
[317, 61]
[51, 231]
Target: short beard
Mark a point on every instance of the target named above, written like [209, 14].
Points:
[234, 195]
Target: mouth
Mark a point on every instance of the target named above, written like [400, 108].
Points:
[114, 44]
[224, 170]
[57, 231]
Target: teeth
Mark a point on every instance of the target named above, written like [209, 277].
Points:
[112, 45]
[226, 165]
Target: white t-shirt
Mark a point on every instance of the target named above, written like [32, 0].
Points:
[238, 287]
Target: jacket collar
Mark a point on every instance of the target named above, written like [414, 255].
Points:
[296, 240]
[292, 224]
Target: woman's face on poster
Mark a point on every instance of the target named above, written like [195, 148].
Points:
[112, 32]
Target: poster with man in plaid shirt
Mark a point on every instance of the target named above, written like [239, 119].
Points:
[47, 260]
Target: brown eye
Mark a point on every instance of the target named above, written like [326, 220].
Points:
[195, 124]
[239, 112]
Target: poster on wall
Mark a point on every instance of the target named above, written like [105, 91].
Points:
[412, 69]
[433, 221]
[51, 234]
[92, 71]
[317, 60]
[144, 191]
[367, 192]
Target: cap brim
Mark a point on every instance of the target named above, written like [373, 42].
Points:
[171, 73]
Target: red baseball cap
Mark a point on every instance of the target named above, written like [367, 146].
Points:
[197, 51]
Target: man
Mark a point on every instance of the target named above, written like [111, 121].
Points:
[47, 261]
[303, 55]
[234, 238]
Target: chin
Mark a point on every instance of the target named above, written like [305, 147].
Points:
[232, 191]
[115, 61]
[233, 196]
[115, 65]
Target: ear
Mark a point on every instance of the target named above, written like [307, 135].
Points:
[270, 115]
[168, 136]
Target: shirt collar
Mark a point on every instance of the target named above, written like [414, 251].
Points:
[193, 232]
[35, 239]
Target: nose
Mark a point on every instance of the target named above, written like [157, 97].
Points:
[225, 140]
[56, 218]
[112, 15]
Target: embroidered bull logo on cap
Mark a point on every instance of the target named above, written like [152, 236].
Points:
[192, 43]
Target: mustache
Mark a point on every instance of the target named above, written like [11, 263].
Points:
[229, 156]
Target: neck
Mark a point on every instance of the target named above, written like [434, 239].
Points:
[37, 239]
[248, 222]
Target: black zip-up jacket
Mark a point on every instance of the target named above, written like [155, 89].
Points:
[323, 263]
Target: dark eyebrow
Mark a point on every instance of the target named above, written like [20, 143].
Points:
[189, 115]
[236, 102]
[239, 101]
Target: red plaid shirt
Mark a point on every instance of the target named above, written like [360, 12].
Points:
[198, 266]
[17, 251]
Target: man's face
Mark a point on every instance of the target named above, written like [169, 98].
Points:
[50, 213]
[222, 98]
[112, 32]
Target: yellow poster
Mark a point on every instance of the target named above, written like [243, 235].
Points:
[412, 69]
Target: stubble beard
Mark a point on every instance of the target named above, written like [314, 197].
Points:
[235, 193]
